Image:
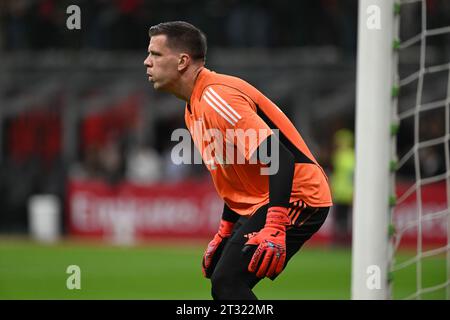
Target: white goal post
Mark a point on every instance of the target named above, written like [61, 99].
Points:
[373, 150]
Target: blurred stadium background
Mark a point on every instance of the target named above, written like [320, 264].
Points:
[86, 176]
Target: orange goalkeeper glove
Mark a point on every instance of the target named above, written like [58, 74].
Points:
[215, 247]
[268, 258]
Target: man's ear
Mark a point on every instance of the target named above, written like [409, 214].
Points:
[183, 61]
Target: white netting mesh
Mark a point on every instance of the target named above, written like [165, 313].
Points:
[421, 108]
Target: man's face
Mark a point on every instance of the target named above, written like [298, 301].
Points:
[161, 63]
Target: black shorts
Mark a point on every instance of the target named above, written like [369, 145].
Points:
[305, 221]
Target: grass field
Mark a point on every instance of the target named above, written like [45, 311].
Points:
[33, 271]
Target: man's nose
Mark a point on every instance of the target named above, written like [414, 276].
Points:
[147, 62]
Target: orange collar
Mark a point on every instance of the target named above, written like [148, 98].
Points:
[199, 85]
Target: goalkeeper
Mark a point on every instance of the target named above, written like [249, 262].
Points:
[266, 217]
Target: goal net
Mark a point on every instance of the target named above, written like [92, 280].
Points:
[420, 219]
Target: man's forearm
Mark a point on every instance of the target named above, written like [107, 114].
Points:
[280, 183]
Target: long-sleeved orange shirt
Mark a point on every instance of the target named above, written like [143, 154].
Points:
[221, 105]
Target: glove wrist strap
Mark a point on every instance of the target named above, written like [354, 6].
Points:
[277, 217]
[225, 228]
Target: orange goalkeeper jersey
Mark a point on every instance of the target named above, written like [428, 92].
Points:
[220, 105]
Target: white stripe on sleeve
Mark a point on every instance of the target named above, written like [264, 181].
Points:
[221, 107]
[225, 103]
[217, 110]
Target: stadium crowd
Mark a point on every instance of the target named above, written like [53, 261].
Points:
[122, 24]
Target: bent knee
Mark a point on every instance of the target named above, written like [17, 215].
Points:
[223, 286]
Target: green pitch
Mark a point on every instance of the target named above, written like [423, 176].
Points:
[32, 271]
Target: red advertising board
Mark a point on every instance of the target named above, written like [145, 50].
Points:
[127, 212]
[187, 209]
[431, 211]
